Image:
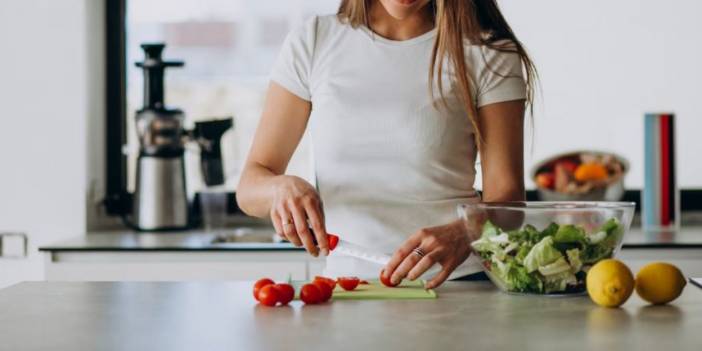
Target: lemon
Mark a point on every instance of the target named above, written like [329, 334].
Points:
[609, 283]
[659, 282]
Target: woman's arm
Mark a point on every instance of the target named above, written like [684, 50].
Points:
[502, 153]
[502, 127]
[264, 190]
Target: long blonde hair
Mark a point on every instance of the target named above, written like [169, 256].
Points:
[478, 21]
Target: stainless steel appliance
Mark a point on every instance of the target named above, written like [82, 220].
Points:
[160, 201]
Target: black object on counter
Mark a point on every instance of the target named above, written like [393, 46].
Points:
[208, 135]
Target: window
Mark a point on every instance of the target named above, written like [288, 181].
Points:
[229, 47]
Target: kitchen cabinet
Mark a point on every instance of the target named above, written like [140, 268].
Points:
[190, 256]
[180, 266]
[129, 256]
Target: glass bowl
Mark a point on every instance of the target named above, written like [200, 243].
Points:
[544, 247]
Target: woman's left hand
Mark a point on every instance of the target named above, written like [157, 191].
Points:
[447, 245]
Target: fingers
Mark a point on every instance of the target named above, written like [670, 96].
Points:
[441, 277]
[421, 267]
[316, 218]
[277, 223]
[303, 231]
[405, 267]
[401, 253]
[288, 227]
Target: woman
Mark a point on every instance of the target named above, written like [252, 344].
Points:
[399, 96]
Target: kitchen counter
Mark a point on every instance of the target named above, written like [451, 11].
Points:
[224, 316]
[687, 237]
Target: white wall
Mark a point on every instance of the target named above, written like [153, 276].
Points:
[603, 64]
[50, 97]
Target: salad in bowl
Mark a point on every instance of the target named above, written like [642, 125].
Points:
[545, 247]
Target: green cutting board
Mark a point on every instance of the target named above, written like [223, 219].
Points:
[376, 291]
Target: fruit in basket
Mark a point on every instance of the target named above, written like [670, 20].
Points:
[609, 283]
[590, 172]
[659, 283]
[580, 173]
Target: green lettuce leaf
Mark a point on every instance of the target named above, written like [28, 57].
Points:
[514, 277]
[541, 254]
[594, 253]
[569, 234]
[559, 282]
[574, 259]
[489, 230]
[557, 267]
[522, 253]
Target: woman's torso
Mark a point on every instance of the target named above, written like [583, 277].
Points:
[389, 160]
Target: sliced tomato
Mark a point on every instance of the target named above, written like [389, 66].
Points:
[286, 293]
[348, 283]
[260, 284]
[325, 290]
[386, 281]
[268, 295]
[329, 281]
[310, 294]
[333, 240]
[363, 282]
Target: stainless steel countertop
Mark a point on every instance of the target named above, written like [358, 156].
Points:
[224, 316]
[686, 237]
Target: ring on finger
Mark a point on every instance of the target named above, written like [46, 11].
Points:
[419, 252]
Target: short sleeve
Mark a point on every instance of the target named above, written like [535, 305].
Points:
[293, 67]
[501, 78]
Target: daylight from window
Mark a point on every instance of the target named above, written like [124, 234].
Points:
[229, 47]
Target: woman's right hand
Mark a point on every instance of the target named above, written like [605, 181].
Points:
[295, 202]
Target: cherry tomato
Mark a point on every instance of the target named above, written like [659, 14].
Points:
[268, 295]
[545, 180]
[285, 293]
[333, 240]
[259, 284]
[324, 289]
[348, 283]
[310, 294]
[386, 281]
[328, 281]
[363, 282]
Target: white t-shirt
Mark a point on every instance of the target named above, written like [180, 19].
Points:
[387, 162]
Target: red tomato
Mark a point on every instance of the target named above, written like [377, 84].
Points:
[348, 283]
[268, 295]
[324, 289]
[386, 281]
[545, 180]
[363, 282]
[259, 284]
[328, 281]
[568, 165]
[333, 240]
[285, 293]
[310, 294]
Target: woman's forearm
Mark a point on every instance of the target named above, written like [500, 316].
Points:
[255, 191]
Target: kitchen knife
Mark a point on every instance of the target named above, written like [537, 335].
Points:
[349, 249]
